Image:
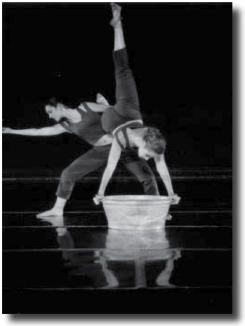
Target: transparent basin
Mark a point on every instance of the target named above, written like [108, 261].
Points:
[139, 212]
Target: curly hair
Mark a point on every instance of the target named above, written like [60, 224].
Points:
[155, 140]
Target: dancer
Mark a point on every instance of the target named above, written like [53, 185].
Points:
[124, 120]
[85, 122]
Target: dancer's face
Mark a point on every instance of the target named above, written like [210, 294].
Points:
[145, 153]
[53, 112]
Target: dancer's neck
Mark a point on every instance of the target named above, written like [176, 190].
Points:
[72, 115]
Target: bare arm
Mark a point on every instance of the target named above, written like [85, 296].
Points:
[113, 159]
[97, 107]
[165, 176]
[46, 131]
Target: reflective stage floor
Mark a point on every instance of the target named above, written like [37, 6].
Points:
[76, 264]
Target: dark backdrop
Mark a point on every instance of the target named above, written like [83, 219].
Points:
[181, 59]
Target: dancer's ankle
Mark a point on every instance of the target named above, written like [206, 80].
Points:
[116, 23]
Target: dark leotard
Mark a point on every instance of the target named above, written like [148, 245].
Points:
[89, 129]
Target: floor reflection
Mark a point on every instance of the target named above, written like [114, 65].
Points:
[128, 258]
[142, 247]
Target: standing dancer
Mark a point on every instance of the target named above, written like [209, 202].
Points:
[124, 120]
[85, 122]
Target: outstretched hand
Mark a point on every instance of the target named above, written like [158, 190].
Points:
[6, 130]
[97, 199]
[175, 199]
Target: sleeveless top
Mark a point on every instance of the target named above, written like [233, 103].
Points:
[120, 133]
[89, 129]
[116, 124]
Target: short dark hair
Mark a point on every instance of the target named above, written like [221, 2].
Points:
[155, 140]
[52, 102]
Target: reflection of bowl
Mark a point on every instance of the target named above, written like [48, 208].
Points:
[138, 212]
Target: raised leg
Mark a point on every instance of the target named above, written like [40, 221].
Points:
[116, 23]
[126, 91]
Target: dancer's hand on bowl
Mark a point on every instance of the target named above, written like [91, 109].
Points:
[175, 199]
[98, 199]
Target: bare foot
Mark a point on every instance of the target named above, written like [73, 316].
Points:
[51, 212]
[116, 13]
[56, 221]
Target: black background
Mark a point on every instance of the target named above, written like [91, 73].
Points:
[180, 54]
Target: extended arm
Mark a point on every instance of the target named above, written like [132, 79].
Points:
[97, 107]
[113, 159]
[46, 131]
[164, 174]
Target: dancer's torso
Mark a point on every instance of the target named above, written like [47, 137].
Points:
[116, 124]
[122, 133]
[89, 128]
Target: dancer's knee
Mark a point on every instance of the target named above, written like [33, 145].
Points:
[65, 175]
[66, 185]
